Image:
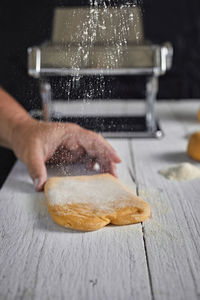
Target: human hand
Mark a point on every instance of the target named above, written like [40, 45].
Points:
[36, 143]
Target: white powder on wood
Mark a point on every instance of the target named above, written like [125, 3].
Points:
[183, 171]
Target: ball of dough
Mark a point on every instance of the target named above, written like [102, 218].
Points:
[193, 148]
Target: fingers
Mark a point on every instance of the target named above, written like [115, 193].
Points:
[96, 146]
[89, 162]
[68, 143]
[105, 167]
[108, 150]
[90, 165]
[108, 167]
[101, 151]
[37, 169]
[64, 155]
[79, 142]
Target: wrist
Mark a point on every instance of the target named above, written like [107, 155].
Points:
[12, 114]
[17, 129]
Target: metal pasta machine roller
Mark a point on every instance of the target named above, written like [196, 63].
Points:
[99, 40]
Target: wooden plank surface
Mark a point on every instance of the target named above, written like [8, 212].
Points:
[40, 260]
[159, 259]
[172, 236]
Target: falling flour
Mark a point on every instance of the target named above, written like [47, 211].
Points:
[183, 171]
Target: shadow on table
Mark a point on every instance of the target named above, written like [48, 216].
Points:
[187, 116]
[175, 157]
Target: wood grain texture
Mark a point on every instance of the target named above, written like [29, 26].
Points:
[172, 236]
[40, 260]
[159, 260]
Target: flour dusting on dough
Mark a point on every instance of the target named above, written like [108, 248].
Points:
[100, 192]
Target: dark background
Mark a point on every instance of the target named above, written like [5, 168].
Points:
[27, 23]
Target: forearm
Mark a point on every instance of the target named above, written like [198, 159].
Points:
[11, 115]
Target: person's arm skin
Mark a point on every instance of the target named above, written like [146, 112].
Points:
[35, 142]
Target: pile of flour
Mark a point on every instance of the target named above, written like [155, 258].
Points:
[183, 171]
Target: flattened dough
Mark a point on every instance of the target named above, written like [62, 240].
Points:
[89, 203]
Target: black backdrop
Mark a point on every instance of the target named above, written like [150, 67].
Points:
[26, 23]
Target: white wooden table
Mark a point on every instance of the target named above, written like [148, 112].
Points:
[159, 259]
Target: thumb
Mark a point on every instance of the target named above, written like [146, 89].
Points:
[37, 170]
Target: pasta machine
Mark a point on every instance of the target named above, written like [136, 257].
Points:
[102, 41]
